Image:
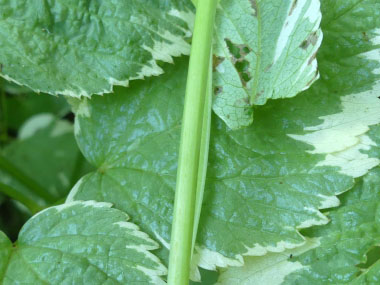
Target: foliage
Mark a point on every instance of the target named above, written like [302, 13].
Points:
[292, 185]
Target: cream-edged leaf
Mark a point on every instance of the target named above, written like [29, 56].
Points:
[80, 48]
[346, 242]
[80, 243]
[348, 140]
[45, 151]
[264, 49]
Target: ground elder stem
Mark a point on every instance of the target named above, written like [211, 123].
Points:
[190, 145]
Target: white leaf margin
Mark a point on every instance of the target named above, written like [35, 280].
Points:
[342, 138]
[269, 269]
[130, 228]
[161, 51]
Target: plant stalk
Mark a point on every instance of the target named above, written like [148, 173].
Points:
[203, 155]
[191, 136]
[17, 174]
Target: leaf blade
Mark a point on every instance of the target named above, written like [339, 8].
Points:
[83, 242]
[264, 50]
[78, 48]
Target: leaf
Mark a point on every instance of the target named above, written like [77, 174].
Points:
[207, 277]
[264, 49]
[353, 232]
[47, 152]
[5, 252]
[262, 185]
[337, 252]
[80, 243]
[79, 48]
[264, 182]
[357, 42]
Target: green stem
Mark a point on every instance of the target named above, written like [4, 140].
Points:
[17, 174]
[203, 155]
[190, 146]
[21, 197]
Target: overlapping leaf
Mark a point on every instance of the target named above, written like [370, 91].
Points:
[80, 243]
[264, 49]
[84, 47]
[45, 151]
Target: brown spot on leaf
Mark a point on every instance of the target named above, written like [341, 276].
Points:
[312, 58]
[247, 101]
[294, 4]
[216, 60]
[254, 7]
[304, 44]
[268, 67]
[218, 90]
[258, 94]
[311, 40]
[365, 36]
[312, 80]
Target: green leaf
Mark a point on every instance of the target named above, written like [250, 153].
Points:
[79, 48]
[264, 49]
[45, 151]
[262, 185]
[352, 33]
[335, 253]
[264, 182]
[5, 252]
[339, 248]
[80, 243]
[354, 230]
[207, 277]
